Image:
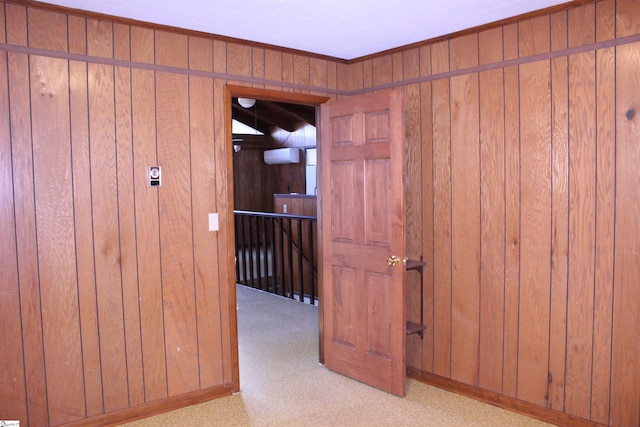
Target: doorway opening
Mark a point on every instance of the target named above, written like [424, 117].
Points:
[278, 186]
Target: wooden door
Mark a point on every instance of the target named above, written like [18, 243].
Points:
[363, 223]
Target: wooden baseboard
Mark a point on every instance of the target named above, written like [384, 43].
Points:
[154, 408]
[505, 402]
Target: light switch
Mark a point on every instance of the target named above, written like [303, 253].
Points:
[284, 208]
[213, 222]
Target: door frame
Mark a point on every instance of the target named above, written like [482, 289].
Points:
[231, 91]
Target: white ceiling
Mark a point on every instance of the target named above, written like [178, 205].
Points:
[345, 29]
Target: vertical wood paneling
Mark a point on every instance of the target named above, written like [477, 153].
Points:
[238, 59]
[559, 214]
[176, 237]
[382, 70]
[318, 72]
[287, 69]
[84, 236]
[534, 36]
[512, 214]
[627, 18]
[13, 392]
[625, 369]
[126, 219]
[535, 231]
[223, 199]
[54, 219]
[47, 30]
[557, 300]
[465, 215]
[441, 212]
[104, 203]
[16, 25]
[258, 64]
[25, 231]
[173, 49]
[605, 209]
[147, 229]
[272, 67]
[126, 216]
[492, 231]
[121, 42]
[205, 242]
[142, 45]
[25, 227]
[301, 71]
[99, 38]
[414, 168]
[582, 201]
[426, 128]
[77, 35]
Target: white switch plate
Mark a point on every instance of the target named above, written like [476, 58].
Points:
[213, 222]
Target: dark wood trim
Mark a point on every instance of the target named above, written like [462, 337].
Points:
[500, 400]
[154, 408]
[301, 98]
[504, 64]
[274, 95]
[231, 91]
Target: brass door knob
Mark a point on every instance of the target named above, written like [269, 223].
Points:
[393, 260]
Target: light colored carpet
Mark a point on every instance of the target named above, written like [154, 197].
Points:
[282, 383]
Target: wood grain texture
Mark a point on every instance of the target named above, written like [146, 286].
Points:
[627, 18]
[426, 129]
[226, 244]
[492, 229]
[625, 373]
[13, 395]
[533, 36]
[54, 221]
[585, 313]
[559, 214]
[171, 49]
[99, 38]
[80, 145]
[414, 191]
[47, 30]
[582, 207]
[127, 226]
[77, 35]
[581, 25]
[205, 242]
[465, 231]
[605, 229]
[176, 238]
[512, 231]
[25, 231]
[148, 234]
[15, 24]
[106, 233]
[442, 232]
[535, 232]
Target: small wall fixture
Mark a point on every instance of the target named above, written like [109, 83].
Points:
[246, 102]
[155, 176]
[281, 156]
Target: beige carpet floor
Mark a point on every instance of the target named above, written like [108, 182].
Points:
[282, 383]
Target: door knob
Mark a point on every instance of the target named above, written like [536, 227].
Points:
[393, 260]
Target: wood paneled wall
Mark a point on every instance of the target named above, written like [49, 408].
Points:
[522, 195]
[521, 142]
[115, 296]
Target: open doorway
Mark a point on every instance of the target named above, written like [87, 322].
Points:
[258, 189]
